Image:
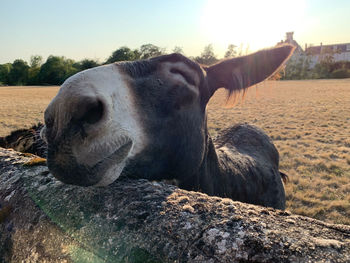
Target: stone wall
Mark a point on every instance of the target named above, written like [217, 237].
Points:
[43, 220]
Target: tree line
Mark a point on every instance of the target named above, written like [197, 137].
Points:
[56, 69]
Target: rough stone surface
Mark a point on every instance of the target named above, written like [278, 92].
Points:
[43, 220]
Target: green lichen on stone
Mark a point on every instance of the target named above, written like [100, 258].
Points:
[80, 255]
[140, 255]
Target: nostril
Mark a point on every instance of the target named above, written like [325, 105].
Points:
[94, 113]
[90, 111]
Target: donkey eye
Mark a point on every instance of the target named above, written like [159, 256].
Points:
[186, 76]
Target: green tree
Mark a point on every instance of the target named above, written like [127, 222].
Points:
[231, 51]
[19, 73]
[85, 64]
[123, 54]
[4, 73]
[36, 61]
[150, 51]
[323, 69]
[207, 57]
[341, 73]
[56, 70]
[33, 73]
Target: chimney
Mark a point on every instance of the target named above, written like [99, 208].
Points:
[289, 37]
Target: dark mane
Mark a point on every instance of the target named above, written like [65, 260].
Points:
[176, 57]
[137, 69]
[141, 68]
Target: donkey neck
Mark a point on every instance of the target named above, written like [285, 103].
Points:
[224, 171]
[241, 165]
[207, 178]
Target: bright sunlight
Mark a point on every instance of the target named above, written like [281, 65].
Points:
[253, 23]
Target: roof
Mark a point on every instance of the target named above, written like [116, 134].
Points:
[341, 48]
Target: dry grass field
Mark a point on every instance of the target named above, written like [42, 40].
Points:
[23, 106]
[309, 122]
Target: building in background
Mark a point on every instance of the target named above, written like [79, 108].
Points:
[315, 54]
[340, 52]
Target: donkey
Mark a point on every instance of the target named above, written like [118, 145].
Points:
[25, 140]
[147, 119]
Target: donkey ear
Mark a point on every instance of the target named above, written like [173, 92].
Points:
[242, 72]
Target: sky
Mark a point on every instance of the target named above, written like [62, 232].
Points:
[91, 29]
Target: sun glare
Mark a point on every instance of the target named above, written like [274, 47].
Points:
[253, 23]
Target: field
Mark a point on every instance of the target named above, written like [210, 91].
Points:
[309, 122]
[23, 106]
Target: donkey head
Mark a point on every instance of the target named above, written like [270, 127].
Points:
[143, 118]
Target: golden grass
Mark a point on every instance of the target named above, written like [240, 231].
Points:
[309, 122]
[21, 107]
